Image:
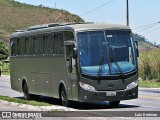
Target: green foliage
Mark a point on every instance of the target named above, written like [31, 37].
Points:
[149, 84]
[4, 53]
[16, 100]
[149, 65]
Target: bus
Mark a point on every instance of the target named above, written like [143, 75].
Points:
[85, 62]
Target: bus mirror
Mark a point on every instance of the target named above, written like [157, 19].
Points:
[74, 53]
[69, 43]
[136, 44]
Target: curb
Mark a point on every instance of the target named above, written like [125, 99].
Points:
[38, 108]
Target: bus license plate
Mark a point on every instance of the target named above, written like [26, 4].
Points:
[110, 93]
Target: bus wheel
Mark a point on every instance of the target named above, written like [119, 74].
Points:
[64, 99]
[114, 103]
[27, 96]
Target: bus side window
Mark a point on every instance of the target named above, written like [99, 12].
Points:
[13, 46]
[47, 44]
[71, 63]
[18, 46]
[38, 45]
[28, 46]
[68, 35]
[58, 46]
[22, 46]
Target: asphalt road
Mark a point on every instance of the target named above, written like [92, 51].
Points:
[148, 100]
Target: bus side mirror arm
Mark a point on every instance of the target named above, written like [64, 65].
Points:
[136, 44]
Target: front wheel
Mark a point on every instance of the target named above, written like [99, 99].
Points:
[114, 103]
[64, 99]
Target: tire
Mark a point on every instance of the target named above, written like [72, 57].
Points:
[35, 97]
[64, 98]
[26, 94]
[114, 103]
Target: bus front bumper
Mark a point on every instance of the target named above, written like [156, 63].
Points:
[95, 96]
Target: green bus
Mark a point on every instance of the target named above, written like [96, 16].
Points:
[85, 62]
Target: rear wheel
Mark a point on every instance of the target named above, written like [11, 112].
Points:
[35, 97]
[26, 94]
[114, 103]
[64, 99]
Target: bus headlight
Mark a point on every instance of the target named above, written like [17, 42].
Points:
[132, 85]
[86, 86]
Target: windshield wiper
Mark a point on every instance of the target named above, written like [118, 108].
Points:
[100, 66]
[117, 65]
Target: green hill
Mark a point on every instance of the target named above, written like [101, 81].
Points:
[15, 15]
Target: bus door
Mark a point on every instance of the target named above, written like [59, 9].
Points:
[72, 70]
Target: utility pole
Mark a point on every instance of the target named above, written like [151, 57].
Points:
[55, 5]
[127, 13]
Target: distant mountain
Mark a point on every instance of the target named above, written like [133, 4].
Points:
[15, 15]
[143, 43]
[4, 36]
[158, 45]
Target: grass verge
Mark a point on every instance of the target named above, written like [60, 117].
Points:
[31, 102]
[6, 73]
[149, 84]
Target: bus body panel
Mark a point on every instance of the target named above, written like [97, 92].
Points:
[43, 75]
[103, 86]
[90, 96]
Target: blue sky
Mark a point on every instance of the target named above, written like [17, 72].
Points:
[141, 12]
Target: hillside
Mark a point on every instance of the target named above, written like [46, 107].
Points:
[15, 15]
[143, 43]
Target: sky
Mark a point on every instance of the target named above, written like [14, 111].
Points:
[141, 13]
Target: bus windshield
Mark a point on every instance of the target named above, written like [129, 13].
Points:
[105, 53]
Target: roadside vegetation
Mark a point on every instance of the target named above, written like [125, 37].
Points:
[30, 102]
[149, 68]
[4, 53]
[4, 69]
[149, 84]
[149, 65]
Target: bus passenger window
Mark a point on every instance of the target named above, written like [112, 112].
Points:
[21, 43]
[68, 35]
[38, 45]
[29, 46]
[18, 46]
[47, 44]
[58, 46]
[14, 47]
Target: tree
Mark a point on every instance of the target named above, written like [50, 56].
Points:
[4, 53]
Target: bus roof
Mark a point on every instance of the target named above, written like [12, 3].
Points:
[82, 26]
[97, 26]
